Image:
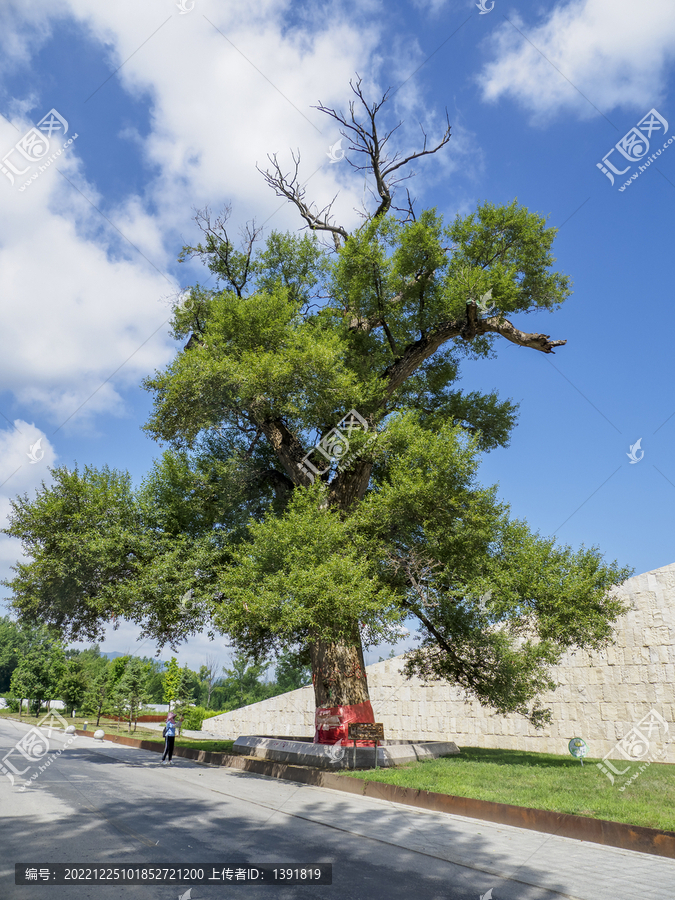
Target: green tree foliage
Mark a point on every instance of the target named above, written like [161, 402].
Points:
[208, 675]
[90, 658]
[131, 689]
[98, 697]
[188, 687]
[171, 681]
[155, 683]
[428, 543]
[72, 686]
[117, 704]
[15, 640]
[291, 672]
[39, 673]
[232, 530]
[95, 504]
[116, 669]
[242, 683]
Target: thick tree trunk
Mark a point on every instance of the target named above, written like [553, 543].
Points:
[340, 689]
[338, 674]
[338, 668]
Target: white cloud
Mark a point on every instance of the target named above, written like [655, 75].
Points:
[227, 84]
[612, 51]
[78, 300]
[25, 455]
[73, 313]
[20, 464]
[24, 28]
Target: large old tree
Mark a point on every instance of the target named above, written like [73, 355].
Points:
[319, 490]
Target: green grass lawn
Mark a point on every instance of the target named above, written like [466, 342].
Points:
[543, 781]
[111, 727]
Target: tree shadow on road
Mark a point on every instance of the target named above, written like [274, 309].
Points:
[114, 805]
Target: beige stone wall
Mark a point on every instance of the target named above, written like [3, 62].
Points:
[288, 715]
[599, 695]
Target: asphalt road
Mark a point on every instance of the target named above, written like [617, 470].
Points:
[108, 805]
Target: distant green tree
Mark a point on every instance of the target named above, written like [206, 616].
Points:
[117, 704]
[90, 658]
[95, 673]
[155, 684]
[132, 688]
[73, 684]
[38, 674]
[208, 676]
[15, 642]
[98, 698]
[171, 681]
[116, 699]
[12, 642]
[219, 696]
[243, 683]
[117, 668]
[292, 672]
[185, 693]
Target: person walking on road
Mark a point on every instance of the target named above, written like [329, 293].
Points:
[169, 736]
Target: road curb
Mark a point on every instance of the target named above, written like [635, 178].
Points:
[582, 828]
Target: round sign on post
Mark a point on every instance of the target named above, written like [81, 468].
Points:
[578, 748]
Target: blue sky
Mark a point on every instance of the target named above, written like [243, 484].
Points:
[172, 109]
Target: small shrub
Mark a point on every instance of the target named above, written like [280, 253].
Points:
[193, 717]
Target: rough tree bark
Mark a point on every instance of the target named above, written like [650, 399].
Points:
[338, 673]
[338, 669]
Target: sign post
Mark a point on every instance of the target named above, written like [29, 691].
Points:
[578, 748]
[365, 731]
